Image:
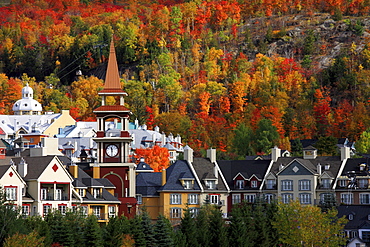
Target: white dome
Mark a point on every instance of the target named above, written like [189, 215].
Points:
[27, 92]
[27, 103]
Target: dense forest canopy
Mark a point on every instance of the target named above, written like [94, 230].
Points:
[207, 70]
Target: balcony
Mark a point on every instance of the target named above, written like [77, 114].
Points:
[51, 197]
[122, 133]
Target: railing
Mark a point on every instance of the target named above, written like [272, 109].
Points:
[50, 197]
[122, 133]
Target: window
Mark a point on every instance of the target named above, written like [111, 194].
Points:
[211, 184]
[62, 208]
[304, 185]
[239, 184]
[305, 198]
[365, 198]
[193, 199]
[363, 183]
[214, 199]
[175, 199]
[188, 184]
[43, 193]
[249, 198]
[325, 183]
[25, 210]
[254, 184]
[342, 183]
[96, 193]
[235, 198]
[346, 198]
[175, 212]
[58, 194]
[84, 210]
[111, 211]
[366, 236]
[269, 198]
[11, 193]
[286, 197]
[81, 192]
[46, 209]
[139, 199]
[270, 184]
[194, 212]
[96, 211]
[287, 185]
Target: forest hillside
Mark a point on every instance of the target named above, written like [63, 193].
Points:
[240, 76]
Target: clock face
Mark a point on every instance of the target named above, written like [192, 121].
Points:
[111, 150]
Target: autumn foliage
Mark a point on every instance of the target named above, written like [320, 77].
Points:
[157, 157]
[190, 67]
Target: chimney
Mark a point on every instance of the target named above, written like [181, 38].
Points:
[164, 177]
[73, 169]
[96, 171]
[275, 153]
[344, 153]
[211, 154]
[22, 168]
[188, 153]
[319, 169]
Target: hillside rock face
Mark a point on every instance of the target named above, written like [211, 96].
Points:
[319, 38]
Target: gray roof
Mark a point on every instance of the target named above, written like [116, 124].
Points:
[3, 169]
[142, 166]
[148, 184]
[248, 168]
[360, 216]
[205, 170]
[179, 170]
[36, 165]
[311, 164]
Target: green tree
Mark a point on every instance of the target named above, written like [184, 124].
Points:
[242, 141]
[188, 229]
[148, 228]
[265, 136]
[363, 143]
[218, 230]
[92, 233]
[39, 225]
[10, 220]
[137, 231]
[163, 232]
[307, 225]
[115, 230]
[202, 224]
[296, 147]
[326, 145]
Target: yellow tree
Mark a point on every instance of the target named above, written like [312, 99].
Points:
[85, 93]
[308, 225]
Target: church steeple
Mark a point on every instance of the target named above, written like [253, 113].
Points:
[112, 81]
[112, 85]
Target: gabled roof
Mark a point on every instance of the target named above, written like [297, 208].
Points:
[143, 167]
[177, 171]
[360, 215]
[352, 164]
[204, 169]
[230, 168]
[36, 165]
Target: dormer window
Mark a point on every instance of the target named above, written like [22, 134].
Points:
[188, 184]
[254, 184]
[350, 216]
[96, 193]
[211, 184]
[81, 192]
[239, 184]
[327, 167]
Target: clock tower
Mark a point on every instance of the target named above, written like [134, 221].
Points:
[113, 140]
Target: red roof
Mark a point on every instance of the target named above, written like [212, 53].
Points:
[114, 108]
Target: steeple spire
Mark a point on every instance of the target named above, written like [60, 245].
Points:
[112, 80]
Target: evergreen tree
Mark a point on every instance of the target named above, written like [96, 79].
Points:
[163, 232]
[202, 226]
[263, 216]
[242, 226]
[41, 227]
[10, 220]
[327, 145]
[296, 146]
[188, 229]
[93, 235]
[148, 229]
[242, 141]
[137, 231]
[58, 228]
[218, 231]
[115, 230]
[265, 136]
